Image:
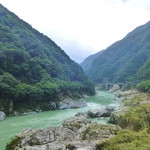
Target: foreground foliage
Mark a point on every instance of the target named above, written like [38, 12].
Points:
[144, 86]
[136, 118]
[14, 142]
[127, 140]
[135, 123]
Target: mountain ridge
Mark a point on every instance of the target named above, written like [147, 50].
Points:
[34, 69]
[86, 64]
[122, 60]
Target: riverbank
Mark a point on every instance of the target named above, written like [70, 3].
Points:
[79, 133]
[14, 125]
[29, 109]
[134, 120]
[74, 133]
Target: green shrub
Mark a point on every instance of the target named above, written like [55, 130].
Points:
[70, 147]
[136, 118]
[128, 86]
[13, 143]
[136, 130]
[144, 86]
[127, 140]
[133, 102]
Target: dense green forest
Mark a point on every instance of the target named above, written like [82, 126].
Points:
[87, 63]
[125, 60]
[33, 69]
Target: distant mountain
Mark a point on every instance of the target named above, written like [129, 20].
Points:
[87, 63]
[125, 60]
[33, 69]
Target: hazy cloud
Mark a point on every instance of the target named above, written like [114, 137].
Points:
[82, 27]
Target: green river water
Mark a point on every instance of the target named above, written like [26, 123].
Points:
[13, 125]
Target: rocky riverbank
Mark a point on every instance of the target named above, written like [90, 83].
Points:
[131, 98]
[74, 133]
[105, 111]
[77, 133]
[2, 116]
[65, 103]
[134, 120]
[70, 103]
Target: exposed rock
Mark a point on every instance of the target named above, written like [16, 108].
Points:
[53, 105]
[102, 112]
[115, 116]
[69, 103]
[2, 116]
[109, 110]
[65, 104]
[38, 110]
[29, 113]
[11, 106]
[85, 148]
[15, 113]
[115, 87]
[76, 132]
[145, 102]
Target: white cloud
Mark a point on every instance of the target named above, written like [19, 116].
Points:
[87, 25]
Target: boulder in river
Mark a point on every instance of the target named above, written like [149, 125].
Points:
[101, 112]
[115, 116]
[70, 103]
[115, 87]
[2, 116]
[29, 113]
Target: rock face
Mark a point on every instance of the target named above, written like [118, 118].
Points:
[115, 116]
[115, 87]
[75, 133]
[2, 116]
[102, 112]
[69, 103]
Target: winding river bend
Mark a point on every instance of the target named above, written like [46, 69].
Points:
[13, 125]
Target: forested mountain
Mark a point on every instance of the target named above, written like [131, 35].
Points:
[32, 67]
[125, 60]
[87, 63]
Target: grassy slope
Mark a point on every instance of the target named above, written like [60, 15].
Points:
[135, 123]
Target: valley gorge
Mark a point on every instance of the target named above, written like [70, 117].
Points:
[50, 102]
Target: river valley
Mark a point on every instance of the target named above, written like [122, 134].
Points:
[13, 125]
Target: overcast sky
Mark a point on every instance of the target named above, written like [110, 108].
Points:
[82, 27]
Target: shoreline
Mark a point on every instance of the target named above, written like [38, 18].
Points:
[49, 118]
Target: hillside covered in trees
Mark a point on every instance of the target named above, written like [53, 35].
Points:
[125, 60]
[87, 63]
[33, 69]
